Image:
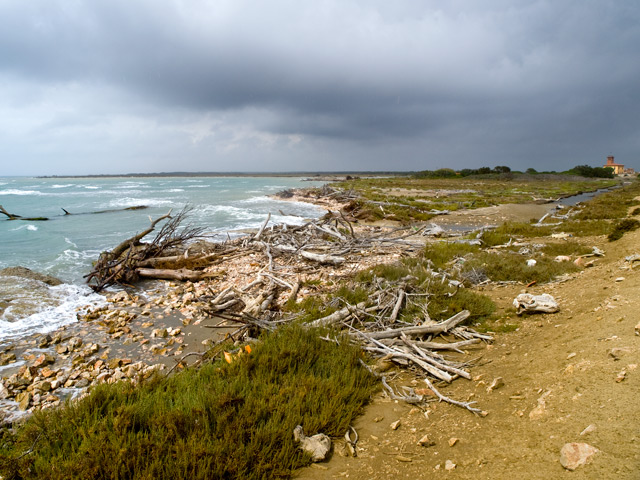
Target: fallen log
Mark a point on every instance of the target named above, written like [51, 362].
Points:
[422, 329]
[181, 274]
[13, 216]
[338, 315]
[135, 240]
[454, 346]
[323, 259]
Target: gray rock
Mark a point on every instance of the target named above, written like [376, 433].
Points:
[24, 272]
[317, 445]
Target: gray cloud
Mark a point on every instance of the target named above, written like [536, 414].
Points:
[232, 85]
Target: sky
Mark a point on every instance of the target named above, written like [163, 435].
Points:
[139, 86]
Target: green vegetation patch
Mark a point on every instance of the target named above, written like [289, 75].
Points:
[622, 227]
[219, 421]
[510, 266]
[411, 198]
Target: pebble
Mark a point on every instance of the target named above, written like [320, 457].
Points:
[425, 441]
[449, 466]
[395, 425]
[497, 383]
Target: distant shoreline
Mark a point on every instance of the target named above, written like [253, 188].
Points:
[307, 175]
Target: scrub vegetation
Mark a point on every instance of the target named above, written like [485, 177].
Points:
[218, 421]
[235, 420]
[417, 198]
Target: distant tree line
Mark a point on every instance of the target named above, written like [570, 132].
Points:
[587, 171]
[465, 172]
[582, 170]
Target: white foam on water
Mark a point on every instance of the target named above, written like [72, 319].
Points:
[41, 308]
[253, 200]
[33, 228]
[67, 240]
[62, 186]
[14, 191]
[133, 202]
[174, 190]
[90, 187]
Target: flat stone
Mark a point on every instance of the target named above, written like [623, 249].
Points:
[449, 465]
[24, 400]
[573, 455]
[23, 272]
[6, 358]
[43, 360]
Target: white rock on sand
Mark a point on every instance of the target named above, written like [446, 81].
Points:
[573, 455]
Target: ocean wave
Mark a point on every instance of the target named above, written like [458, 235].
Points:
[62, 186]
[14, 191]
[253, 200]
[30, 227]
[132, 202]
[38, 308]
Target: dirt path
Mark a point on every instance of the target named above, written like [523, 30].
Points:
[559, 378]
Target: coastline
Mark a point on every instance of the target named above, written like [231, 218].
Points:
[158, 322]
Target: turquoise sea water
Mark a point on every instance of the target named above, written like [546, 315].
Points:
[65, 245]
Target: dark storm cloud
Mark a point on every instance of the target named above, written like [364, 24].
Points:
[515, 82]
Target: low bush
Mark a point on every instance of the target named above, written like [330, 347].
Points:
[219, 421]
[622, 227]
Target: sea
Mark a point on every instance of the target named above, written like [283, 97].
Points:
[65, 246]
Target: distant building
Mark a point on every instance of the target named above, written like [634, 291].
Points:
[618, 168]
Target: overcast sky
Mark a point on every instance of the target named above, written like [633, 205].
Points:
[118, 86]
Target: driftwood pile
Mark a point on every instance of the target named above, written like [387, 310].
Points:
[244, 284]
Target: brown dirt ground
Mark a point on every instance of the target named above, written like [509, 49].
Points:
[560, 361]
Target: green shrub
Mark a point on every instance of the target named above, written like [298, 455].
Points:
[622, 227]
[218, 421]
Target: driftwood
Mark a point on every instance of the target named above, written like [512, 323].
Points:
[168, 274]
[422, 329]
[127, 262]
[13, 216]
[338, 316]
[284, 257]
[323, 259]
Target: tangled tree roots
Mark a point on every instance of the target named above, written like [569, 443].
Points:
[127, 262]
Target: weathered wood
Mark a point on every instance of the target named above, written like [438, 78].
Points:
[338, 315]
[323, 259]
[177, 259]
[262, 227]
[398, 305]
[13, 216]
[423, 329]
[135, 240]
[181, 274]
[454, 346]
